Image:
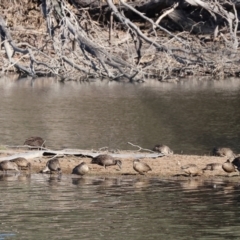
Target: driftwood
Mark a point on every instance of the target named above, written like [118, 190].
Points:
[78, 153]
[120, 40]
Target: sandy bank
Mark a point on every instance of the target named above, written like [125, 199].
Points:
[167, 166]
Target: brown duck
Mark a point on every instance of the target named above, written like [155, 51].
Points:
[81, 169]
[8, 165]
[22, 163]
[35, 142]
[192, 170]
[236, 162]
[106, 160]
[54, 166]
[162, 149]
[229, 167]
[223, 152]
[141, 167]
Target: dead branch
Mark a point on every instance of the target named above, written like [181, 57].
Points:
[79, 153]
[26, 146]
[232, 18]
[75, 42]
[165, 14]
[140, 148]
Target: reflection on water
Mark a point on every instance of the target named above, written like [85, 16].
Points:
[191, 117]
[42, 207]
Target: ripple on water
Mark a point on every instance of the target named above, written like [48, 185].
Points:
[42, 207]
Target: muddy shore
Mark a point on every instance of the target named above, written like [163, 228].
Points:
[167, 166]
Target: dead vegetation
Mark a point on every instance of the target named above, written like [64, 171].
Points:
[133, 41]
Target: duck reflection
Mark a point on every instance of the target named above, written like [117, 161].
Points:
[140, 185]
[82, 181]
[191, 184]
[97, 181]
[24, 177]
[112, 182]
[9, 177]
[53, 180]
[15, 177]
[107, 182]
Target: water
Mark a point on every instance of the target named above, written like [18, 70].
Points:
[191, 117]
[43, 207]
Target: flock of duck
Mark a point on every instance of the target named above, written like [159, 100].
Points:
[230, 166]
[53, 165]
[105, 160]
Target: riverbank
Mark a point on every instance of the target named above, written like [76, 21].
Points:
[167, 166]
[33, 47]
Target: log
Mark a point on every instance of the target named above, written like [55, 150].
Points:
[79, 153]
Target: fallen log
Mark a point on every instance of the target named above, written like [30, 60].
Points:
[79, 153]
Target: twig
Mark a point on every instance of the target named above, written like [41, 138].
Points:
[151, 21]
[110, 28]
[27, 146]
[139, 33]
[140, 148]
[102, 148]
[165, 14]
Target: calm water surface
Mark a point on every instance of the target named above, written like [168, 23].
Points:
[191, 117]
[127, 207]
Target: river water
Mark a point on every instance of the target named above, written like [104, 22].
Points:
[43, 207]
[191, 117]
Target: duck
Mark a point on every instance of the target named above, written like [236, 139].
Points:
[8, 165]
[54, 166]
[80, 169]
[141, 167]
[213, 166]
[236, 162]
[229, 167]
[223, 152]
[192, 170]
[161, 148]
[35, 142]
[22, 163]
[106, 160]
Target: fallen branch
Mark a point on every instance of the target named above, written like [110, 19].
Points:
[142, 149]
[78, 153]
[26, 146]
[74, 42]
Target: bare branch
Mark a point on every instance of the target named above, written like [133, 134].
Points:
[142, 149]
